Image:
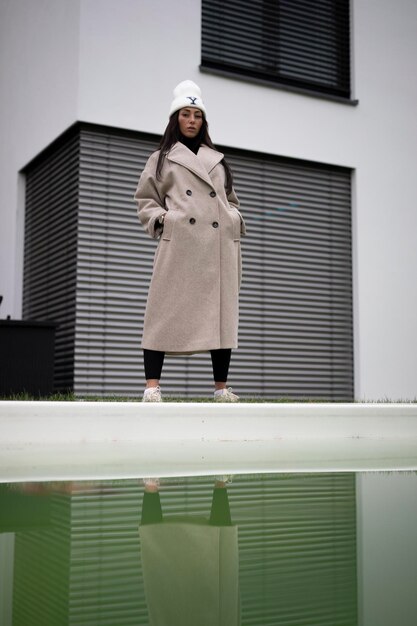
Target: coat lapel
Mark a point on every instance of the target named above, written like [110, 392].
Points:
[200, 164]
[209, 157]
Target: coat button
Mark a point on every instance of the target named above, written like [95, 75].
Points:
[215, 224]
[213, 194]
[189, 192]
[192, 220]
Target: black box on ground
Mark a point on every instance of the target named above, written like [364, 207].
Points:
[26, 357]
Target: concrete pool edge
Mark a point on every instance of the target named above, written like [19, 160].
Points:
[104, 440]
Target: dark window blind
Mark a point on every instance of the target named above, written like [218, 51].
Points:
[298, 43]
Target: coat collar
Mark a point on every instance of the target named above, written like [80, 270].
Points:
[200, 164]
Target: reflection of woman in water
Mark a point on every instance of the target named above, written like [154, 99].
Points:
[190, 564]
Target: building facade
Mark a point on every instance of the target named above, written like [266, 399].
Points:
[314, 109]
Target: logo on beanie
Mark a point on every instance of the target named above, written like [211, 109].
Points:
[186, 94]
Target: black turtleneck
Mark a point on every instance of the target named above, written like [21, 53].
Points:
[193, 143]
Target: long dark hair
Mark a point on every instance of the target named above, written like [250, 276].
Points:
[172, 134]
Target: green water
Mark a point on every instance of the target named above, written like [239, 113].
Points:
[277, 550]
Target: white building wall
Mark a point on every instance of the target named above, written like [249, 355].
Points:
[6, 578]
[116, 63]
[387, 548]
[39, 53]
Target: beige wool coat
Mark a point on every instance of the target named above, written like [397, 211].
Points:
[191, 573]
[192, 302]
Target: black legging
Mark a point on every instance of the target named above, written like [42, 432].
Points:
[219, 514]
[220, 359]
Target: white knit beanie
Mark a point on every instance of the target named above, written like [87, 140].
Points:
[187, 94]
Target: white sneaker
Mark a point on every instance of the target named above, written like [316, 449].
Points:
[152, 394]
[225, 395]
[151, 484]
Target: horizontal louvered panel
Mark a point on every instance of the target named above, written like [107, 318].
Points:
[106, 578]
[295, 304]
[126, 270]
[49, 285]
[308, 292]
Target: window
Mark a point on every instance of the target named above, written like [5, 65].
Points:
[297, 44]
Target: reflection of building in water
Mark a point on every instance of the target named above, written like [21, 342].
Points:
[297, 551]
[190, 565]
[83, 568]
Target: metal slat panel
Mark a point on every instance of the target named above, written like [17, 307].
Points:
[114, 266]
[276, 254]
[296, 293]
[50, 249]
[295, 306]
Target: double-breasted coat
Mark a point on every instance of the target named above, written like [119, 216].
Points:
[192, 302]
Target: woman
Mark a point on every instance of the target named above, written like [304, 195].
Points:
[185, 199]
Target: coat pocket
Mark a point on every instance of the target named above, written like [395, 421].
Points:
[236, 223]
[169, 223]
[242, 223]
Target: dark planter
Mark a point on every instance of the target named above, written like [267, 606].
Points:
[26, 357]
